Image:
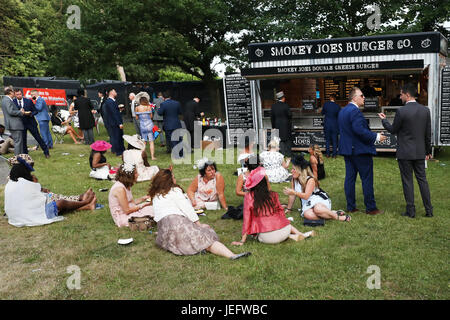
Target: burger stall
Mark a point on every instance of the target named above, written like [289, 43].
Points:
[309, 71]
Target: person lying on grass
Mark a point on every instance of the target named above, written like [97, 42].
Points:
[27, 205]
[179, 228]
[316, 204]
[208, 186]
[121, 202]
[263, 213]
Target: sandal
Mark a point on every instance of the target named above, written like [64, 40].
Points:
[286, 210]
[240, 255]
[347, 218]
[340, 213]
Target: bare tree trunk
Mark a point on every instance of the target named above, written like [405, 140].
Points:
[121, 72]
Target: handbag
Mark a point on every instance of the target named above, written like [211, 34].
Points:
[313, 223]
[141, 223]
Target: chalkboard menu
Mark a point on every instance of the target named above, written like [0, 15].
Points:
[308, 104]
[318, 122]
[371, 104]
[238, 105]
[444, 131]
[331, 87]
[349, 84]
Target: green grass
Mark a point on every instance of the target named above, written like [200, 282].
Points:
[412, 254]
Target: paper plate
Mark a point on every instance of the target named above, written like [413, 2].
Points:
[125, 241]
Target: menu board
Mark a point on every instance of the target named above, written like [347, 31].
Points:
[308, 104]
[444, 132]
[371, 104]
[238, 105]
[349, 84]
[331, 87]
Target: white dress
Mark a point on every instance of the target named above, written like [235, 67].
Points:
[272, 162]
[312, 200]
[134, 157]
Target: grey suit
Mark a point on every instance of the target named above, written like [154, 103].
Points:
[13, 123]
[412, 125]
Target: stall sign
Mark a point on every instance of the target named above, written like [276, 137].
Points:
[56, 97]
[308, 104]
[371, 104]
[318, 122]
[444, 131]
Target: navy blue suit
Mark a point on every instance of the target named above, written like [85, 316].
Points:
[30, 124]
[113, 119]
[170, 109]
[356, 144]
[331, 111]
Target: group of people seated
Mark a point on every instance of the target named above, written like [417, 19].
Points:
[173, 209]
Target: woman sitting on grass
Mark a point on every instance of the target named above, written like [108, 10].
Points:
[136, 155]
[97, 160]
[263, 213]
[27, 205]
[179, 228]
[208, 186]
[274, 163]
[63, 127]
[121, 202]
[251, 163]
[315, 202]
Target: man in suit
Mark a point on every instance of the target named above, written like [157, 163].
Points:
[13, 119]
[29, 123]
[356, 144]
[158, 119]
[412, 125]
[331, 111]
[281, 118]
[85, 115]
[114, 123]
[43, 118]
[190, 112]
[133, 105]
[170, 109]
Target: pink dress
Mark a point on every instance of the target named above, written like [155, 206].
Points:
[206, 192]
[119, 217]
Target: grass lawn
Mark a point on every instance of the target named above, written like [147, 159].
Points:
[412, 254]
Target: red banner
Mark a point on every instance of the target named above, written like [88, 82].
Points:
[56, 97]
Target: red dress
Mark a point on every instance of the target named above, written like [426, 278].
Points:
[265, 222]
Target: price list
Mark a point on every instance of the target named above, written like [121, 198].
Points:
[331, 87]
[238, 104]
[445, 106]
[349, 84]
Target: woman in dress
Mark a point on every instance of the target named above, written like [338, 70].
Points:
[316, 161]
[274, 163]
[263, 213]
[250, 164]
[28, 204]
[97, 160]
[120, 199]
[179, 228]
[74, 116]
[136, 155]
[208, 186]
[315, 202]
[63, 127]
[144, 113]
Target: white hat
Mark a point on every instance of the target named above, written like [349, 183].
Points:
[280, 95]
[140, 95]
[135, 141]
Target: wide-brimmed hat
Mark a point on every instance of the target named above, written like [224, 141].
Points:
[140, 95]
[300, 161]
[100, 145]
[24, 159]
[135, 141]
[255, 177]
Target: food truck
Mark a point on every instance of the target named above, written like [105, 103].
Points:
[309, 71]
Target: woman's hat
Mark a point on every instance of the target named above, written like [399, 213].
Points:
[100, 145]
[255, 177]
[135, 141]
[24, 159]
[300, 162]
[140, 95]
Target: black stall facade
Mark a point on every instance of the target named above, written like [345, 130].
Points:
[310, 71]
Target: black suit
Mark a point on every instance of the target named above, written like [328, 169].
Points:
[30, 124]
[280, 117]
[412, 125]
[190, 112]
[86, 118]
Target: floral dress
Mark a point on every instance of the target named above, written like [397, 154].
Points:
[206, 192]
[272, 162]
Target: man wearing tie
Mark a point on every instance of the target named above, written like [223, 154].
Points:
[29, 123]
[13, 119]
[114, 123]
[170, 109]
[357, 146]
[412, 125]
[43, 118]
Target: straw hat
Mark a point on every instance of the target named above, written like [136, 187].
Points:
[100, 145]
[134, 141]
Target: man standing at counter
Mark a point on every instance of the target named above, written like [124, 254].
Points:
[412, 125]
[281, 117]
[356, 144]
[331, 111]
